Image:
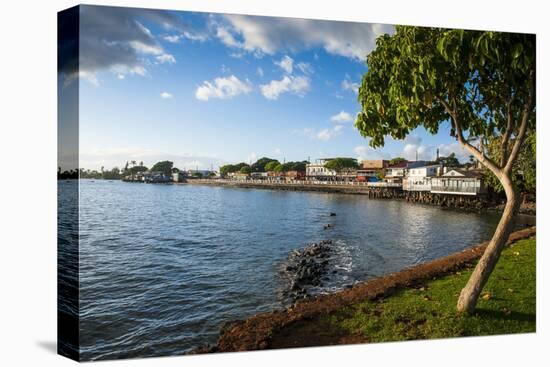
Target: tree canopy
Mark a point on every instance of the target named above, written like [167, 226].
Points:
[229, 168]
[260, 164]
[246, 169]
[135, 169]
[341, 164]
[450, 161]
[270, 166]
[397, 160]
[163, 166]
[482, 81]
[524, 170]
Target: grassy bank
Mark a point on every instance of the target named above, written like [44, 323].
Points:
[507, 305]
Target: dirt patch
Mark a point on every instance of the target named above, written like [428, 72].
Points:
[258, 331]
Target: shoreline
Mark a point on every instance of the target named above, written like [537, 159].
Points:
[255, 333]
[456, 202]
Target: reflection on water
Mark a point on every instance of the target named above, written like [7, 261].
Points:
[162, 267]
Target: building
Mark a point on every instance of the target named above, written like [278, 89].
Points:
[418, 178]
[259, 175]
[179, 176]
[370, 169]
[295, 175]
[396, 172]
[459, 182]
[203, 173]
[238, 176]
[317, 171]
[157, 177]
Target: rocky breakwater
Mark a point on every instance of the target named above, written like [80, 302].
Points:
[305, 271]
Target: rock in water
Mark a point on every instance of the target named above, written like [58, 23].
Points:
[305, 269]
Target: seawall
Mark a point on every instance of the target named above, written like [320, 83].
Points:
[464, 202]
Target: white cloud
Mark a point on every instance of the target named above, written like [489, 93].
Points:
[461, 153]
[223, 88]
[166, 95]
[286, 63]
[201, 37]
[327, 134]
[260, 71]
[268, 35]
[366, 152]
[166, 58]
[175, 38]
[342, 116]
[106, 45]
[278, 151]
[323, 134]
[305, 67]
[349, 85]
[298, 85]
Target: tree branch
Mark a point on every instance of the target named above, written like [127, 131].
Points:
[507, 133]
[523, 127]
[479, 155]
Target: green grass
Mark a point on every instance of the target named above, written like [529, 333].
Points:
[507, 305]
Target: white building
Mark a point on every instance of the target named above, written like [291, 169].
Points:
[419, 178]
[317, 170]
[459, 182]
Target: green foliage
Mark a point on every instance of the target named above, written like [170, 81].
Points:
[524, 170]
[413, 73]
[396, 160]
[294, 166]
[246, 169]
[340, 164]
[229, 168]
[197, 174]
[270, 166]
[278, 168]
[163, 166]
[135, 169]
[260, 164]
[450, 161]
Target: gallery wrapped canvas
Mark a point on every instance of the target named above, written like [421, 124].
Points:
[235, 182]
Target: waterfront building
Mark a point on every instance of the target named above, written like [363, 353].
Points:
[317, 171]
[259, 175]
[396, 172]
[370, 169]
[295, 175]
[178, 176]
[418, 178]
[238, 176]
[459, 182]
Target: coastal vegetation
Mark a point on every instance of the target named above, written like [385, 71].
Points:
[342, 164]
[482, 83]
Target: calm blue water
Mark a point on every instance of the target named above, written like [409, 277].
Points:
[163, 267]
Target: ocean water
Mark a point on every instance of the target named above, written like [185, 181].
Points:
[163, 267]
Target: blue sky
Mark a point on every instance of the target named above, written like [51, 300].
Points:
[208, 89]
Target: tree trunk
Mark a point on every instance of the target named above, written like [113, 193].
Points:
[470, 293]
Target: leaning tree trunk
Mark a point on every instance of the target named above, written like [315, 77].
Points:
[470, 293]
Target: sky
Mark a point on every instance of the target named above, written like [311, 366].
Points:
[203, 90]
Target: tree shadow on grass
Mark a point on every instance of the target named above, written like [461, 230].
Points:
[502, 315]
